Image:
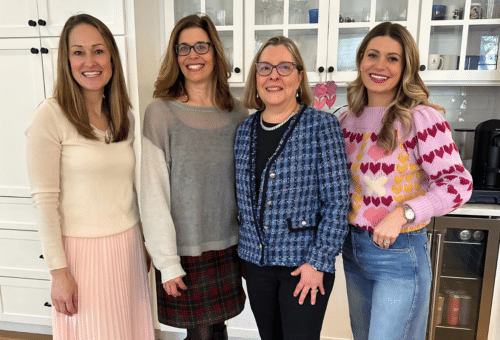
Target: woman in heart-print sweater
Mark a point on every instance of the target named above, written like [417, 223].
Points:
[405, 169]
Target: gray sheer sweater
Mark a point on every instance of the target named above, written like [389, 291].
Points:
[188, 203]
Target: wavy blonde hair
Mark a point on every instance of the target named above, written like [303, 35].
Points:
[411, 90]
[170, 82]
[68, 92]
[250, 98]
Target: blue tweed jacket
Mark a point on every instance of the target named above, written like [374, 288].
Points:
[299, 213]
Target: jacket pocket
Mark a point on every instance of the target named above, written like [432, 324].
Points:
[304, 222]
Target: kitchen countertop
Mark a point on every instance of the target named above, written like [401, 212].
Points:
[475, 209]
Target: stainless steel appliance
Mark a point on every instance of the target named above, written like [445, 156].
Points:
[464, 256]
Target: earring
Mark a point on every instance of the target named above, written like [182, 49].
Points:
[297, 94]
[257, 95]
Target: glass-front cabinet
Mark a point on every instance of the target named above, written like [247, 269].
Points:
[227, 16]
[465, 253]
[459, 41]
[327, 33]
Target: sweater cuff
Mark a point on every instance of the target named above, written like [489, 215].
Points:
[425, 207]
[172, 272]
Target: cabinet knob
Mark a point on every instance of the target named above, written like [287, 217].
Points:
[422, 67]
[32, 23]
[41, 257]
[321, 69]
[34, 50]
[237, 70]
[331, 69]
[46, 304]
[42, 22]
[44, 50]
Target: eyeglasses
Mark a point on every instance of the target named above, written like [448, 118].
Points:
[200, 48]
[284, 69]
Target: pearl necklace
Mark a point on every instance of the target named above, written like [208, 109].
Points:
[278, 125]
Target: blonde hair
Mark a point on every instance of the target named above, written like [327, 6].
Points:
[170, 82]
[68, 92]
[250, 95]
[411, 90]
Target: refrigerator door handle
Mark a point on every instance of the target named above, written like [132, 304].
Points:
[435, 285]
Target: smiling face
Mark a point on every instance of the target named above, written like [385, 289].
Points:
[196, 68]
[277, 91]
[89, 58]
[381, 69]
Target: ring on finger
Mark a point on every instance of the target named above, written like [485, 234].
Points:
[386, 243]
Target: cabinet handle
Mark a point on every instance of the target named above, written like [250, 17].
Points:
[237, 70]
[422, 67]
[34, 50]
[321, 69]
[46, 304]
[42, 22]
[44, 50]
[41, 257]
[32, 23]
[331, 69]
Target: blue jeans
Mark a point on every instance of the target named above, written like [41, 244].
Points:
[388, 289]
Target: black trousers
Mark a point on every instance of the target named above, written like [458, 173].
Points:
[278, 314]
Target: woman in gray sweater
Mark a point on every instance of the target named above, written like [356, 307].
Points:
[188, 200]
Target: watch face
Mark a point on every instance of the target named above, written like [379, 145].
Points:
[409, 214]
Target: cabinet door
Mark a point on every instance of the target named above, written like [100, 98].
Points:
[18, 18]
[303, 21]
[21, 91]
[466, 253]
[459, 42]
[25, 301]
[351, 20]
[55, 13]
[227, 16]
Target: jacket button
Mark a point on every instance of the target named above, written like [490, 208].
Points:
[265, 227]
[260, 246]
[272, 175]
[304, 223]
[269, 202]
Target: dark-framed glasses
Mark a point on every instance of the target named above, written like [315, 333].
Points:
[201, 47]
[284, 68]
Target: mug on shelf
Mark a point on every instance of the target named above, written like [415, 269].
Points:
[438, 12]
[450, 62]
[452, 12]
[476, 11]
[435, 62]
[313, 16]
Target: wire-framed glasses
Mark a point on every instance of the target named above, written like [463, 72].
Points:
[201, 47]
[284, 68]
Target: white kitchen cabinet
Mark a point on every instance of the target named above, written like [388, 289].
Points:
[227, 15]
[29, 68]
[463, 45]
[32, 18]
[329, 45]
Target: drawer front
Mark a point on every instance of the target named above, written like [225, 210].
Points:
[21, 255]
[17, 214]
[25, 301]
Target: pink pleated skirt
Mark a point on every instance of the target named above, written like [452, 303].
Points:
[113, 289]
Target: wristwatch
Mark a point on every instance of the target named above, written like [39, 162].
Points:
[409, 214]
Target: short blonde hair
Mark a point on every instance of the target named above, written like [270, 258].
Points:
[250, 98]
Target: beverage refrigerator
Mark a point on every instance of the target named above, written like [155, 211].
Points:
[464, 254]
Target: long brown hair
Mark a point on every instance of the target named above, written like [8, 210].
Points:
[411, 90]
[250, 96]
[68, 92]
[170, 82]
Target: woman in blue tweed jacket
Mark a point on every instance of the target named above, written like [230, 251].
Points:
[292, 186]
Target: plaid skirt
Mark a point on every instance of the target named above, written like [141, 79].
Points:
[215, 292]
